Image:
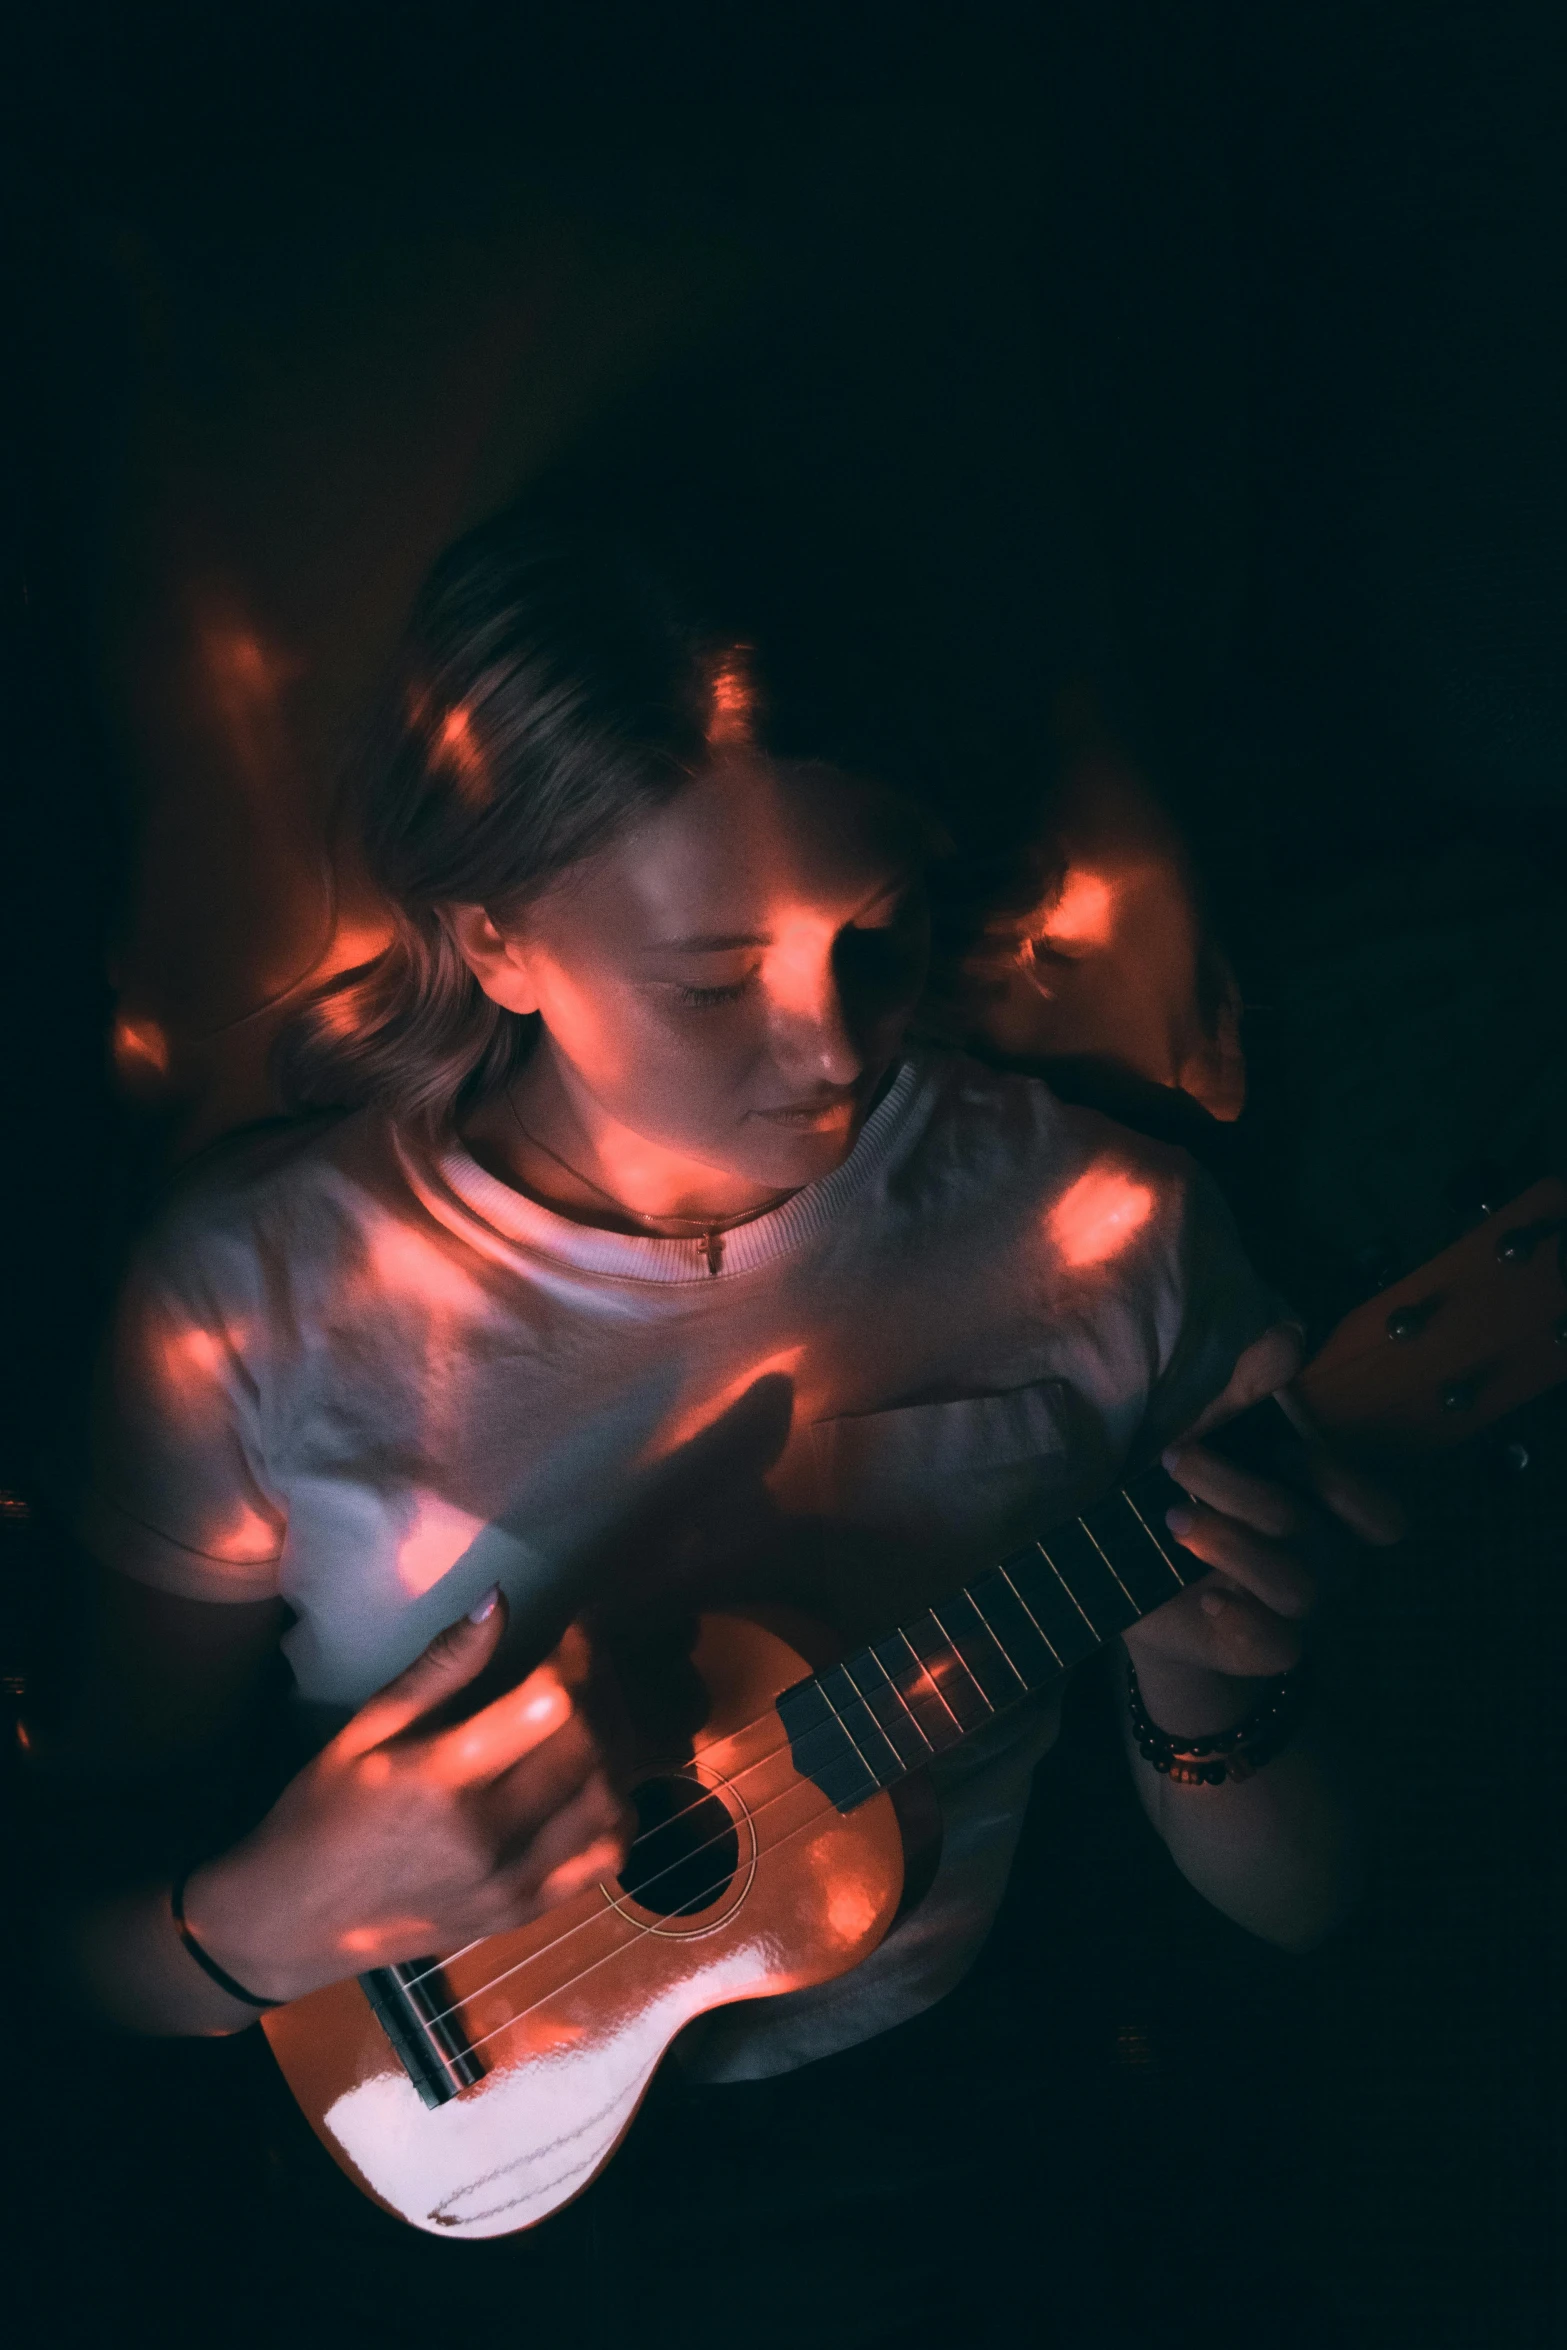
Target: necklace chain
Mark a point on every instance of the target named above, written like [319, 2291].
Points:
[704, 1228]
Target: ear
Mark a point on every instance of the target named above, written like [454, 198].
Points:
[499, 964]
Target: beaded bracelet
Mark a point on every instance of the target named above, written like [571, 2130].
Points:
[1224, 1754]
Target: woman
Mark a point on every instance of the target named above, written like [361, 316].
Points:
[650, 1265]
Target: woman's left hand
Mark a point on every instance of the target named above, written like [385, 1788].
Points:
[1244, 1621]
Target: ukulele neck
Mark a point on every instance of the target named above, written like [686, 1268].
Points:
[1020, 1628]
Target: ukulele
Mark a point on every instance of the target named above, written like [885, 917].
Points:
[474, 2095]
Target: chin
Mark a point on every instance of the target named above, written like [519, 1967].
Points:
[796, 1157]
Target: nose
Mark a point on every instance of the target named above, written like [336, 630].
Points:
[811, 1040]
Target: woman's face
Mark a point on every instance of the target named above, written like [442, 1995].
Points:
[732, 977]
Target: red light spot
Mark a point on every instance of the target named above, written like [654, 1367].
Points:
[1095, 1218]
[194, 1361]
[433, 1544]
[246, 1538]
[140, 1048]
[409, 1266]
[850, 1912]
[458, 751]
[690, 1423]
[1084, 914]
[732, 703]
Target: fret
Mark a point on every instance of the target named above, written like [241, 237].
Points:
[1145, 1499]
[1051, 1604]
[987, 1663]
[845, 1692]
[956, 1681]
[822, 1749]
[899, 1723]
[1142, 1563]
[1090, 1579]
[1007, 1613]
[842, 1713]
[1018, 1628]
[938, 1724]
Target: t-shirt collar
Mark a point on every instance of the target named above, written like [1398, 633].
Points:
[452, 1184]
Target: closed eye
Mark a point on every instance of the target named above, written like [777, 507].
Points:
[706, 999]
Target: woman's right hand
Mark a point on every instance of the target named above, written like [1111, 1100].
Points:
[401, 1840]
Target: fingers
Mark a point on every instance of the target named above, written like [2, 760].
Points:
[1255, 1501]
[1270, 1362]
[1269, 1571]
[453, 1659]
[585, 1839]
[1222, 1629]
[511, 1726]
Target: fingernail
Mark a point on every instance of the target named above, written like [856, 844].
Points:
[486, 1607]
[1180, 1519]
[1211, 1604]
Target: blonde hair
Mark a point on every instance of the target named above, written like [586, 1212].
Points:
[550, 689]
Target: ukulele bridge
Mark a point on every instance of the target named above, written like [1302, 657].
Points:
[412, 2007]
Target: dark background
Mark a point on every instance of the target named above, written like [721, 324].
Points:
[1214, 354]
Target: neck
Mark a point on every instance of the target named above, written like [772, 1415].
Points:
[552, 1139]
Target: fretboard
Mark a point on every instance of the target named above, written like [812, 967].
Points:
[1020, 1628]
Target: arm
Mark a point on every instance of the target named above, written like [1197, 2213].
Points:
[398, 1837]
[1277, 1852]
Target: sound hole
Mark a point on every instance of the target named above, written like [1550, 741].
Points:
[686, 1849]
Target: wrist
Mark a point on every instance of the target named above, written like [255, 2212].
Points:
[222, 1908]
[1194, 1700]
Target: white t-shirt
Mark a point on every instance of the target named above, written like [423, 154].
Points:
[366, 1375]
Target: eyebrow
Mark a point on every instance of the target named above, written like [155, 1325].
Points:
[726, 942]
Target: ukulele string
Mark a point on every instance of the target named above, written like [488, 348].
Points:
[642, 1838]
[639, 1934]
[583, 1924]
[923, 1672]
[733, 1780]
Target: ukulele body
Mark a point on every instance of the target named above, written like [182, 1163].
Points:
[571, 2015]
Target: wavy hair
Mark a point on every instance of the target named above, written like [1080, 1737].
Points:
[551, 688]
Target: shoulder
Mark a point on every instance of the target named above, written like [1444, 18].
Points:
[997, 1133]
[282, 1194]
[1096, 1217]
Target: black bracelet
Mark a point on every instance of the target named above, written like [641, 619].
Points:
[1223, 1754]
[209, 1966]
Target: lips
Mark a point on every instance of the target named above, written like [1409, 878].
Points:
[822, 1116]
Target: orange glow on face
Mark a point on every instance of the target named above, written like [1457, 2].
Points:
[1094, 1219]
[141, 1049]
[1084, 914]
[799, 963]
